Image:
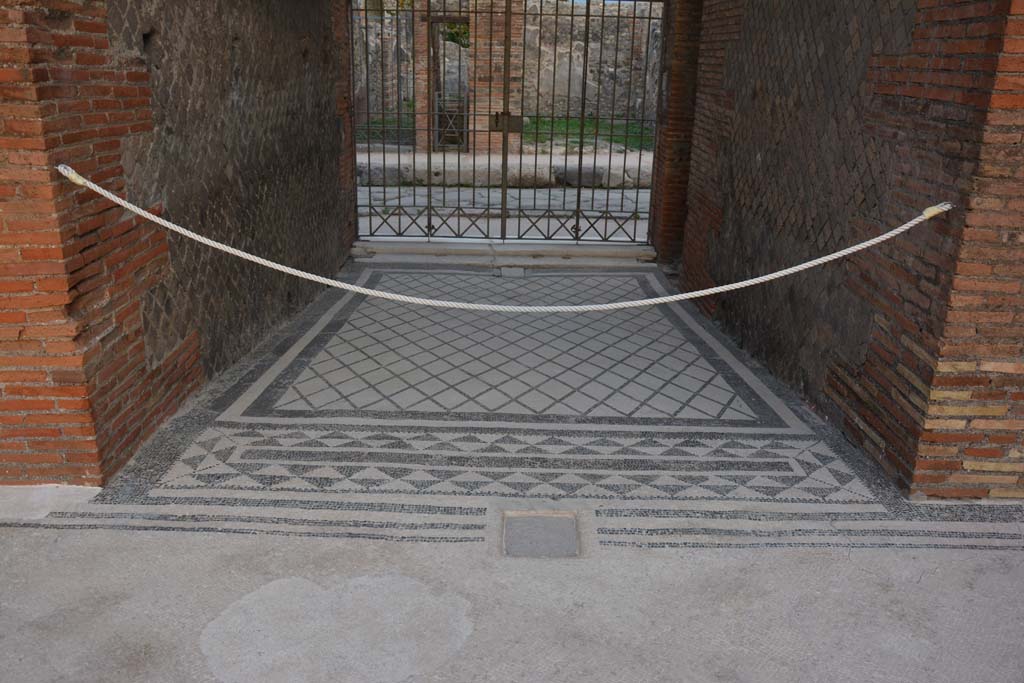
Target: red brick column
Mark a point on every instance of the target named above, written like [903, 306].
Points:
[682, 26]
[76, 394]
[936, 399]
[422, 88]
[486, 72]
[973, 438]
[46, 427]
[719, 28]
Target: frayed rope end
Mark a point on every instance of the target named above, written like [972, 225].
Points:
[937, 210]
[71, 174]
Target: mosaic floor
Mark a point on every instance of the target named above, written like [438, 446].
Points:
[370, 419]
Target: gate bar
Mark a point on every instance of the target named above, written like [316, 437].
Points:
[431, 113]
[583, 119]
[506, 118]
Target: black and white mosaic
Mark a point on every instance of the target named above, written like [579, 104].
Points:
[368, 419]
[385, 360]
[530, 464]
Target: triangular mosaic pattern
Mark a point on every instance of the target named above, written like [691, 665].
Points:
[525, 465]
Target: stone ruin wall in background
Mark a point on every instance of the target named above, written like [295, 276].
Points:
[622, 73]
[623, 60]
[381, 63]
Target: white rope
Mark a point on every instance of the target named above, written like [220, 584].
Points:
[927, 214]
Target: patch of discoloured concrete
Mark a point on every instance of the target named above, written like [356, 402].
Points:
[370, 628]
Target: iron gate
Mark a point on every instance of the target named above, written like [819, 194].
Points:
[505, 119]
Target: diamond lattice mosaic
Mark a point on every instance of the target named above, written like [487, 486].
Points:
[631, 364]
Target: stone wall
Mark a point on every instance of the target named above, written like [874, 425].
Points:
[223, 116]
[789, 157]
[623, 58]
[382, 63]
[244, 146]
[820, 124]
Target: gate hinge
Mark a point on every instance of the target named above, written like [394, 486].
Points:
[497, 119]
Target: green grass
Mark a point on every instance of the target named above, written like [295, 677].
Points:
[635, 135]
[399, 128]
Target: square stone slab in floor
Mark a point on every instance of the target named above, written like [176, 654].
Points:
[548, 535]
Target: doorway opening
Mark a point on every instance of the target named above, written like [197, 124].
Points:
[506, 119]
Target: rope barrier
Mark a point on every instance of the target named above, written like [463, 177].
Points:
[926, 215]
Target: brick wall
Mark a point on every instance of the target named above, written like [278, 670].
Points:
[973, 439]
[106, 325]
[675, 116]
[423, 85]
[819, 124]
[71, 265]
[486, 71]
[487, 85]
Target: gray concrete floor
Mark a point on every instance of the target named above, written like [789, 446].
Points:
[526, 168]
[151, 606]
[288, 525]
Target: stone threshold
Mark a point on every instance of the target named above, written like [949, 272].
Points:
[509, 253]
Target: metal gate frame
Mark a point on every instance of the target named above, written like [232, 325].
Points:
[396, 200]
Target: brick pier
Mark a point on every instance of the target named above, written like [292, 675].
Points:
[486, 71]
[816, 126]
[103, 330]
